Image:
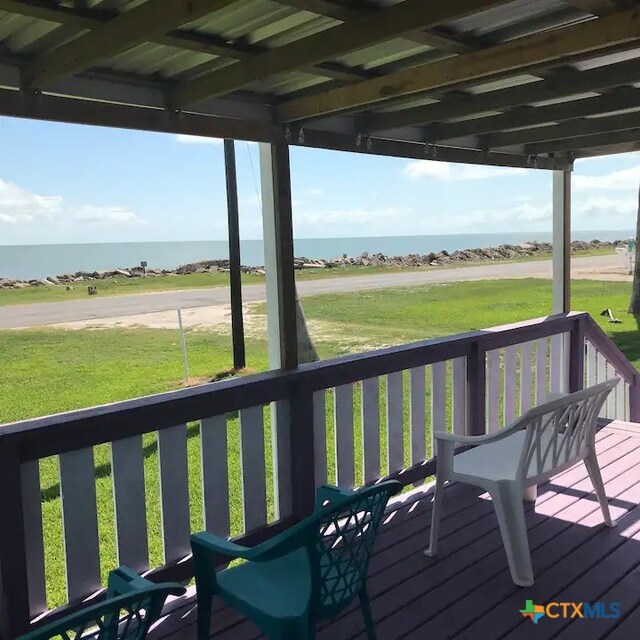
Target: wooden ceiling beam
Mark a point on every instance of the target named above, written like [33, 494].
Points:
[594, 152]
[141, 24]
[368, 30]
[625, 98]
[584, 142]
[553, 88]
[436, 38]
[80, 20]
[570, 129]
[523, 54]
[597, 7]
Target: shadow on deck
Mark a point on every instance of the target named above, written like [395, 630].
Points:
[466, 592]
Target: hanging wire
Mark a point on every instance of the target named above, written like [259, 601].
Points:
[253, 173]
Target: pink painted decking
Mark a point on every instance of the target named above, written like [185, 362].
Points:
[466, 592]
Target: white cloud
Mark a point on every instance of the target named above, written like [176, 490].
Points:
[621, 179]
[449, 172]
[601, 207]
[183, 138]
[313, 191]
[347, 217]
[19, 206]
[106, 214]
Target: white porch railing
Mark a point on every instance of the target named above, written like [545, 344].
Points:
[354, 420]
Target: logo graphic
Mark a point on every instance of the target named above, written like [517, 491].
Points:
[533, 611]
[568, 610]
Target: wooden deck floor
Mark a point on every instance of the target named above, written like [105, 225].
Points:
[466, 592]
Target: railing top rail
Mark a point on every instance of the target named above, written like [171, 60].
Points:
[58, 433]
[352, 368]
[50, 435]
[610, 350]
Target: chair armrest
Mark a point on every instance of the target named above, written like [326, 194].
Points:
[329, 493]
[285, 542]
[124, 580]
[216, 544]
[443, 436]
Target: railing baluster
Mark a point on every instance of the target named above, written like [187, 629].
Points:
[418, 419]
[601, 376]
[80, 522]
[33, 536]
[556, 363]
[344, 441]
[526, 376]
[459, 395]
[174, 492]
[620, 400]
[510, 355]
[493, 390]
[320, 436]
[541, 370]
[438, 398]
[214, 462]
[370, 422]
[395, 428]
[611, 398]
[592, 374]
[127, 464]
[254, 483]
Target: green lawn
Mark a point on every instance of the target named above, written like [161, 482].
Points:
[47, 371]
[121, 285]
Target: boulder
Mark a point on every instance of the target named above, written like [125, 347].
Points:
[122, 272]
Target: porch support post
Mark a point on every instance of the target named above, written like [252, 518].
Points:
[561, 241]
[281, 303]
[235, 276]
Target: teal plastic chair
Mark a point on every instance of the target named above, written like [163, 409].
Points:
[302, 576]
[132, 605]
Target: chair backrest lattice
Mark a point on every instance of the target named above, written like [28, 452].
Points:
[343, 545]
[126, 617]
[561, 432]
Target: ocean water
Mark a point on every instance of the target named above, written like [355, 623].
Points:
[38, 261]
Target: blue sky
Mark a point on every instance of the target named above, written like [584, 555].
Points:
[66, 183]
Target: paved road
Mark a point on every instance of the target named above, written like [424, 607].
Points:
[20, 316]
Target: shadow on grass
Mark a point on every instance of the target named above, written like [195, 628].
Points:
[104, 470]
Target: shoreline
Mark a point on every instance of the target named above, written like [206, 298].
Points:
[499, 253]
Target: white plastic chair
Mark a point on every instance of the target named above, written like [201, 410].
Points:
[543, 442]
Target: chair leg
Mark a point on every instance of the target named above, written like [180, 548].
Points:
[530, 494]
[593, 469]
[366, 614]
[435, 517]
[507, 501]
[204, 598]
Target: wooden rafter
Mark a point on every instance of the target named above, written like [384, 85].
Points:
[576, 143]
[141, 24]
[597, 7]
[519, 55]
[570, 129]
[436, 38]
[368, 30]
[553, 88]
[626, 98]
